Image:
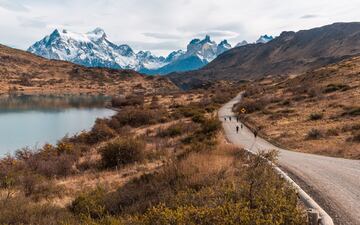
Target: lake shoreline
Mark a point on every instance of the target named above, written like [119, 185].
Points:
[31, 122]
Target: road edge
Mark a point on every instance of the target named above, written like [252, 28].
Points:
[309, 202]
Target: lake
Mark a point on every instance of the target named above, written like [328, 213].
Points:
[32, 121]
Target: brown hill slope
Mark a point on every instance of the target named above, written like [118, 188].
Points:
[290, 53]
[317, 112]
[25, 72]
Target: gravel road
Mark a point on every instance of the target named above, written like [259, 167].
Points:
[333, 182]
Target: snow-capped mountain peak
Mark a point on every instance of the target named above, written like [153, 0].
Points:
[205, 49]
[264, 39]
[243, 43]
[97, 34]
[223, 47]
[174, 55]
[93, 49]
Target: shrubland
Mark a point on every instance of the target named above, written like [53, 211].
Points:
[159, 160]
[315, 112]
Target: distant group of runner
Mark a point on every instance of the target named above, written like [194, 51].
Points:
[237, 126]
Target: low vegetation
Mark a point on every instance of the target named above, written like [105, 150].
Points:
[122, 151]
[201, 188]
[154, 162]
[319, 110]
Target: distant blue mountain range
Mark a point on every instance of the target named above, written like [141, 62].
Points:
[93, 49]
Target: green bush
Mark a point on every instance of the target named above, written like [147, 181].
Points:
[122, 151]
[173, 131]
[90, 205]
[335, 87]
[131, 100]
[20, 210]
[316, 116]
[252, 106]
[190, 110]
[352, 111]
[50, 164]
[136, 117]
[100, 132]
[314, 134]
[355, 137]
[38, 187]
[210, 126]
[198, 118]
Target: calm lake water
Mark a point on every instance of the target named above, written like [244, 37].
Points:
[32, 121]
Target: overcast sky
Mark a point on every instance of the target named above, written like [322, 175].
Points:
[165, 25]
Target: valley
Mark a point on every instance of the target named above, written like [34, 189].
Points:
[291, 53]
[192, 142]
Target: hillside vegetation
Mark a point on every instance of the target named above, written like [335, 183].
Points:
[316, 112]
[289, 54]
[160, 160]
[26, 73]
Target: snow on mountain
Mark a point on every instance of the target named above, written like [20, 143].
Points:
[264, 39]
[93, 49]
[198, 54]
[223, 47]
[175, 55]
[243, 43]
[204, 49]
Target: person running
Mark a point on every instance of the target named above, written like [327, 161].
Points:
[237, 129]
[230, 118]
[242, 126]
[255, 133]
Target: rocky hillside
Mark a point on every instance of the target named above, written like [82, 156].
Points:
[320, 110]
[24, 72]
[290, 53]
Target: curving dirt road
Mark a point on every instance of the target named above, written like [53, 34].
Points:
[333, 182]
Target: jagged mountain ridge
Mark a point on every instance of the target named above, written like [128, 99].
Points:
[290, 53]
[198, 54]
[93, 49]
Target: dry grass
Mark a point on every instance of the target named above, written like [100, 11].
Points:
[26, 73]
[310, 101]
[111, 180]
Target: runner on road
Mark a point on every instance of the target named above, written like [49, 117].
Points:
[237, 129]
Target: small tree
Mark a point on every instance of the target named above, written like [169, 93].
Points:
[122, 151]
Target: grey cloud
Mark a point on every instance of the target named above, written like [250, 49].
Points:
[161, 35]
[218, 34]
[166, 45]
[309, 16]
[235, 26]
[32, 22]
[13, 5]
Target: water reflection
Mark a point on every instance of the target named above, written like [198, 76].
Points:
[51, 102]
[35, 120]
